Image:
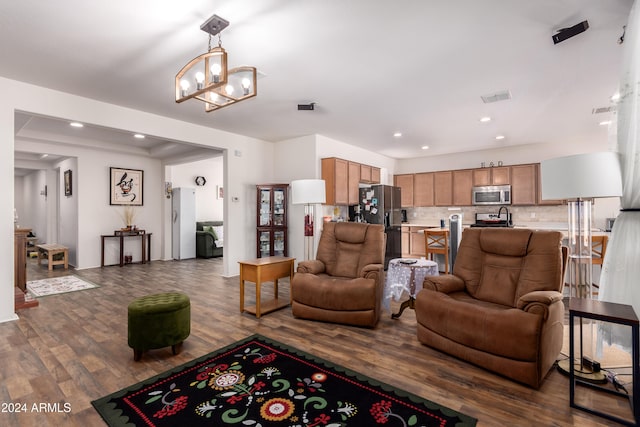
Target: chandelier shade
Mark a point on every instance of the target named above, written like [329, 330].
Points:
[201, 75]
[240, 85]
[208, 79]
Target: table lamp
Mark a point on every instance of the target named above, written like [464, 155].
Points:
[581, 178]
[308, 192]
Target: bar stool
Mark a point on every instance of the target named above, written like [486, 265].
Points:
[437, 242]
[598, 249]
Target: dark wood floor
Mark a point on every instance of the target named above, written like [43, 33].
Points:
[73, 349]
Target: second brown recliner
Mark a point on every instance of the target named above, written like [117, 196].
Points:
[502, 307]
[344, 284]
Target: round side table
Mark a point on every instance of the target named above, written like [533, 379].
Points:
[406, 275]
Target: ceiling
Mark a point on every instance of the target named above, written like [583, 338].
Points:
[418, 67]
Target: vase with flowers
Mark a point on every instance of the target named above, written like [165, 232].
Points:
[128, 215]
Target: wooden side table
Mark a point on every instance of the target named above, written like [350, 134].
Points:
[47, 251]
[267, 269]
[612, 313]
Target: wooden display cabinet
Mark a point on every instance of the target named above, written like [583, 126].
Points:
[271, 239]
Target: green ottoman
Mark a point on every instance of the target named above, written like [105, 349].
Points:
[159, 320]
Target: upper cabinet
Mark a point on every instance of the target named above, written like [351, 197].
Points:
[443, 188]
[524, 184]
[453, 188]
[335, 173]
[462, 183]
[492, 176]
[342, 178]
[423, 191]
[354, 180]
[405, 182]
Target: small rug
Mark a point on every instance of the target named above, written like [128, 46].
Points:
[261, 382]
[58, 285]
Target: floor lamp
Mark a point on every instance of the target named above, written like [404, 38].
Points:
[308, 192]
[581, 178]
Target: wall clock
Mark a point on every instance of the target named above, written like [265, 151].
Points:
[200, 180]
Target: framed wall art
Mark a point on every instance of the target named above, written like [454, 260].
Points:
[125, 187]
[68, 183]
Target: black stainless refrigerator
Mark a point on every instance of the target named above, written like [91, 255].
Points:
[380, 204]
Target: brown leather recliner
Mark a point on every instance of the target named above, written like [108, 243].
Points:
[344, 284]
[502, 307]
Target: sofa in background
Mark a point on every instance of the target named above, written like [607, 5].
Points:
[209, 239]
[502, 307]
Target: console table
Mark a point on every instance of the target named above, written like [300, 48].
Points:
[145, 245]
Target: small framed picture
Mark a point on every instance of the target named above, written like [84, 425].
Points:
[68, 183]
[125, 187]
[219, 192]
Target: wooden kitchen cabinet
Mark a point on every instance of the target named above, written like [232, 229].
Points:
[405, 182]
[443, 188]
[335, 173]
[418, 247]
[342, 178]
[365, 174]
[353, 191]
[492, 176]
[375, 175]
[423, 190]
[462, 183]
[405, 235]
[524, 188]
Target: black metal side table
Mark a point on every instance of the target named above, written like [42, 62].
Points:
[613, 313]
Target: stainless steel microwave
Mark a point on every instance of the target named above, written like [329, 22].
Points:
[491, 195]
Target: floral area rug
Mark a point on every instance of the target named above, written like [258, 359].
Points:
[259, 382]
[58, 285]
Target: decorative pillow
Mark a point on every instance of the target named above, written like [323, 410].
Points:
[210, 229]
[218, 230]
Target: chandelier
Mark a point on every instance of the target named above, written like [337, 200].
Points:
[207, 78]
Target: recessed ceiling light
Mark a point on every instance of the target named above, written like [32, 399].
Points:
[44, 156]
[76, 124]
[499, 137]
[615, 97]
[138, 135]
[485, 119]
[397, 134]
[425, 147]
[605, 123]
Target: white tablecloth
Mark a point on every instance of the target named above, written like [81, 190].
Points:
[404, 278]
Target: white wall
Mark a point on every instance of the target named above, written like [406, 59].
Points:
[209, 207]
[247, 161]
[31, 203]
[67, 223]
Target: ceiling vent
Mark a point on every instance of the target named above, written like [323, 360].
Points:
[601, 110]
[307, 107]
[495, 97]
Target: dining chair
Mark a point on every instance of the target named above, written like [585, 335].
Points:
[437, 242]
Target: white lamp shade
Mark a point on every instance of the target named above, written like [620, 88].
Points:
[308, 191]
[585, 176]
